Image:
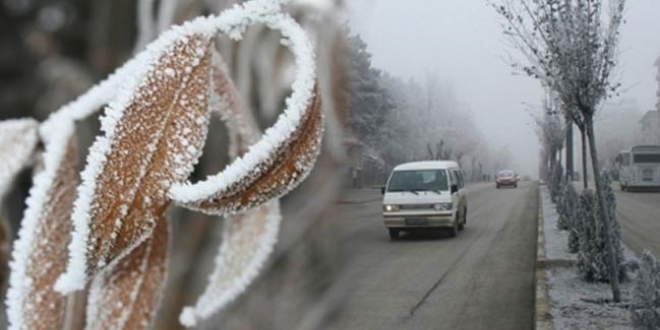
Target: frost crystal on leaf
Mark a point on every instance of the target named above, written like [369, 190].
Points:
[39, 254]
[248, 238]
[18, 138]
[287, 151]
[126, 296]
[123, 194]
[112, 228]
[247, 241]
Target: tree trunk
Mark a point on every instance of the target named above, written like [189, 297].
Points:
[585, 177]
[569, 150]
[600, 192]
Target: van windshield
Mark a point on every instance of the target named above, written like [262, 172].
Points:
[418, 180]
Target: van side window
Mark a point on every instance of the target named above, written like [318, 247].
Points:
[455, 178]
[461, 179]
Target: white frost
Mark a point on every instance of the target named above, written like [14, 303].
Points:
[134, 78]
[20, 284]
[237, 264]
[18, 138]
[234, 22]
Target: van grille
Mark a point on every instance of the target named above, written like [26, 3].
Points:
[415, 206]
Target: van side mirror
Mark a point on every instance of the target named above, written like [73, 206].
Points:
[382, 190]
[454, 188]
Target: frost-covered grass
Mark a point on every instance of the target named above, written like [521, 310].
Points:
[574, 303]
[579, 305]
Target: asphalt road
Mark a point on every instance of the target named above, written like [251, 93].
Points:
[482, 279]
[639, 217]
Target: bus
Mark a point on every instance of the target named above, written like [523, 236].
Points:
[639, 168]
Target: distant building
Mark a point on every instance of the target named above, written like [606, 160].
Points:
[650, 127]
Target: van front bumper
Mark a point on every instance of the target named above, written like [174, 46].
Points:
[419, 221]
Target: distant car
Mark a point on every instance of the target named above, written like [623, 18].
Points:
[425, 195]
[506, 178]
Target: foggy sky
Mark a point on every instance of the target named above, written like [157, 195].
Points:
[462, 42]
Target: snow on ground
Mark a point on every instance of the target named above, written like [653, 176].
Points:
[575, 304]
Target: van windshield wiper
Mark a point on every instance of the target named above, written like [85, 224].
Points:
[437, 191]
[413, 191]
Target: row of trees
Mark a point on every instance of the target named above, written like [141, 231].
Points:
[579, 215]
[398, 121]
[570, 46]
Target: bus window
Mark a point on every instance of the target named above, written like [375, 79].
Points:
[647, 159]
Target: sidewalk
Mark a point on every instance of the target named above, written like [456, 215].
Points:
[563, 300]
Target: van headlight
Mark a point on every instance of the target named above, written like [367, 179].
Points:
[390, 208]
[443, 206]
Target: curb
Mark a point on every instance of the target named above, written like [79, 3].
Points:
[542, 316]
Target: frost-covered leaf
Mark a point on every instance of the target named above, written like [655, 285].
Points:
[40, 255]
[126, 295]
[287, 151]
[155, 131]
[247, 238]
[18, 139]
[247, 241]
[276, 171]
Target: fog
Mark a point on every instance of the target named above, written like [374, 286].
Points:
[461, 42]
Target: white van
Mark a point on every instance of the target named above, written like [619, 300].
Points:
[425, 195]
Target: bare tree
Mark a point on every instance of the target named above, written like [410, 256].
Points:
[570, 45]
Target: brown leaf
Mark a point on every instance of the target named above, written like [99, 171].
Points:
[248, 238]
[126, 295]
[38, 306]
[155, 143]
[274, 175]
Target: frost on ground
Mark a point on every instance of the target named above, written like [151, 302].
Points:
[578, 305]
[574, 303]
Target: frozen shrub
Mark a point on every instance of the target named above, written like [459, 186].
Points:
[573, 219]
[593, 262]
[645, 307]
[566, 206]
